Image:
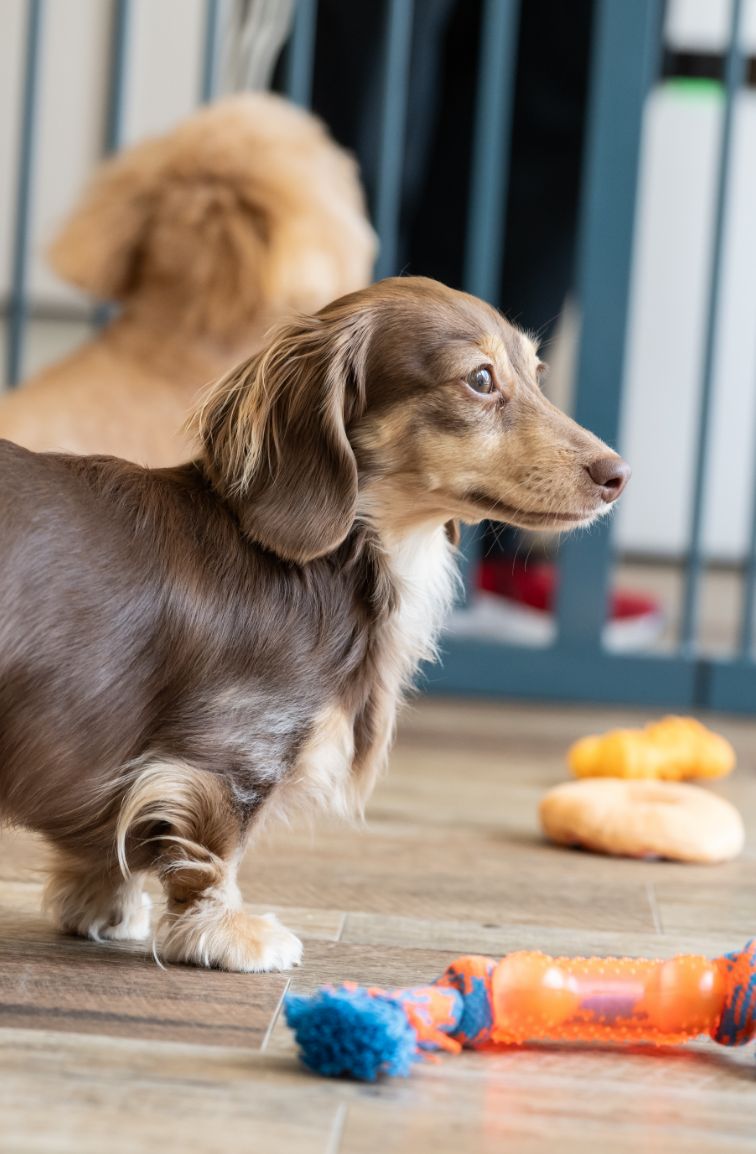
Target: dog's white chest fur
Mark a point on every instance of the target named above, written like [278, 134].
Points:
[423, 571]
[422, 565]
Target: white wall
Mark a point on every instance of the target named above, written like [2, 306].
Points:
[667, 325]
[669, 296]
[704, 25]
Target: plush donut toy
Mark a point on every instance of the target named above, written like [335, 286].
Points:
[643, 819]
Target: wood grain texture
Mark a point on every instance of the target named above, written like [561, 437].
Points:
[101, 1050]
[81, 987]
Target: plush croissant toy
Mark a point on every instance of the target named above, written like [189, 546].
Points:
[202, 237]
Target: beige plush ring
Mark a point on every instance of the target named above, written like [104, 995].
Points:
[643, 819]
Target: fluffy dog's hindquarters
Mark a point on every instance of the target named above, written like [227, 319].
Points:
[184, 818]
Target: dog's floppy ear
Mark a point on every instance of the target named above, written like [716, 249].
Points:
[274, 435]
[99, 247]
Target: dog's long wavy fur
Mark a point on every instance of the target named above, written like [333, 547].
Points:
[189, 652]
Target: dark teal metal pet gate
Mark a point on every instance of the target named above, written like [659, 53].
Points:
[625, 59]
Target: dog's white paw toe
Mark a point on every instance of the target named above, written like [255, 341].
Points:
[281, 949]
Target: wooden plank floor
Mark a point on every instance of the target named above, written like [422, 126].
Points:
[102, 1051]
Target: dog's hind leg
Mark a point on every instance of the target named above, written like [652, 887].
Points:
[186, 816]
[85, 898]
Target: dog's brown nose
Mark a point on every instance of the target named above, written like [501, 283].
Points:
[611, 474]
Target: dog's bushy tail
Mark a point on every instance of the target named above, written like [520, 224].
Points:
[179, 818]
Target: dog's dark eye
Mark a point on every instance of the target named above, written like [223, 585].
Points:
[480, 380]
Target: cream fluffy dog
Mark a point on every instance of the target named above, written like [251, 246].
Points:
[244, 213]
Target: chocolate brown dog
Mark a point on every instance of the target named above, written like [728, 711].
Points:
[187, 651]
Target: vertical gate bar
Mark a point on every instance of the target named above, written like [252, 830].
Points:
[749, 600]
[115, 117]
[18, 302]
[119, 47]
[491, 149]
[749, 577]
[489, 184]
[625, 55]
[734, 78]
[391, 150]
[300, 57]
[209, 81]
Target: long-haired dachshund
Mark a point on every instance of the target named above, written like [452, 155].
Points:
[185, 652]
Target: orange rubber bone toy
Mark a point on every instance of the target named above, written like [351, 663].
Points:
[527, 996]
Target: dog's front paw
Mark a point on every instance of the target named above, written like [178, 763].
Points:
[210, 935]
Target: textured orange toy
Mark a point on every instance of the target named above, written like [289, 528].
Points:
[527, 996]
[606, 999]
[671, 749]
